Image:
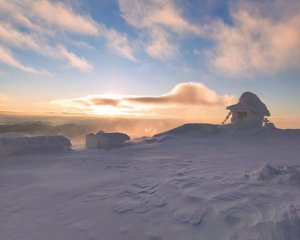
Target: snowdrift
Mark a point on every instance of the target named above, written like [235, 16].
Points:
[18, 145]
[228, 131]
[281, 174]
[192, 129]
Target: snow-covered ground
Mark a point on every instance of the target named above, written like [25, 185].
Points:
[174, 187]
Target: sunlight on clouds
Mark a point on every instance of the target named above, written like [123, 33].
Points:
[37, 25]
[161, 19]
[60, 15]
[183, 95]
[256, 44]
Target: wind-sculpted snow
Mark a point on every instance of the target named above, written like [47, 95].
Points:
[165, 188]
[17, 145]
[280, 173]
[192, 130]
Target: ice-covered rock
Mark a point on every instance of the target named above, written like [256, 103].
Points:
[18, 145]
[102, 140]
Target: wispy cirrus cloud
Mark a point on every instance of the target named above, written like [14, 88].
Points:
[42, 25]
[11, 36]
[61, 15]
[182, 95]
[74, 61]
[6, 57]
[118, 43]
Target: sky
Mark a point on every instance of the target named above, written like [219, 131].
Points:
[181, 59]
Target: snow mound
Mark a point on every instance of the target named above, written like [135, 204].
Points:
[288, 227]
[192, 129]
[282, 174]
[285, 225]
[18, 145]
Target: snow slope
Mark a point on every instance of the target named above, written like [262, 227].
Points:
[209, 187]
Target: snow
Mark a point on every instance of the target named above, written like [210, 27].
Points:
[102, 140]
[173, 186]
[281, 174]
[14, 144]
[250, 101]
[91, 142]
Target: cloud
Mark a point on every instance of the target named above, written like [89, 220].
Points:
[34, 14]
[60, 15]
[183, 94]
[256, 42]
[42, 26]
[7, 58]
[161, 20]
[259, 37]
[75, 61]
[161, 45]
[149, 14]
[64, 17]
[12, 37]
[118, 43]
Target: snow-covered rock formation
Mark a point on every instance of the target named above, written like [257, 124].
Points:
[17, 145]
[102, 140]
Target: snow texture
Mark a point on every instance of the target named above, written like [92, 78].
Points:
[16, 145]
[281, 174]
[170, 187]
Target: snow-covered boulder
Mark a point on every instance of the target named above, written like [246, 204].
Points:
[112, 140]
[102, 140]
[18, 145]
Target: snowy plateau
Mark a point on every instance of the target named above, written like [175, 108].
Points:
[196, 182]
